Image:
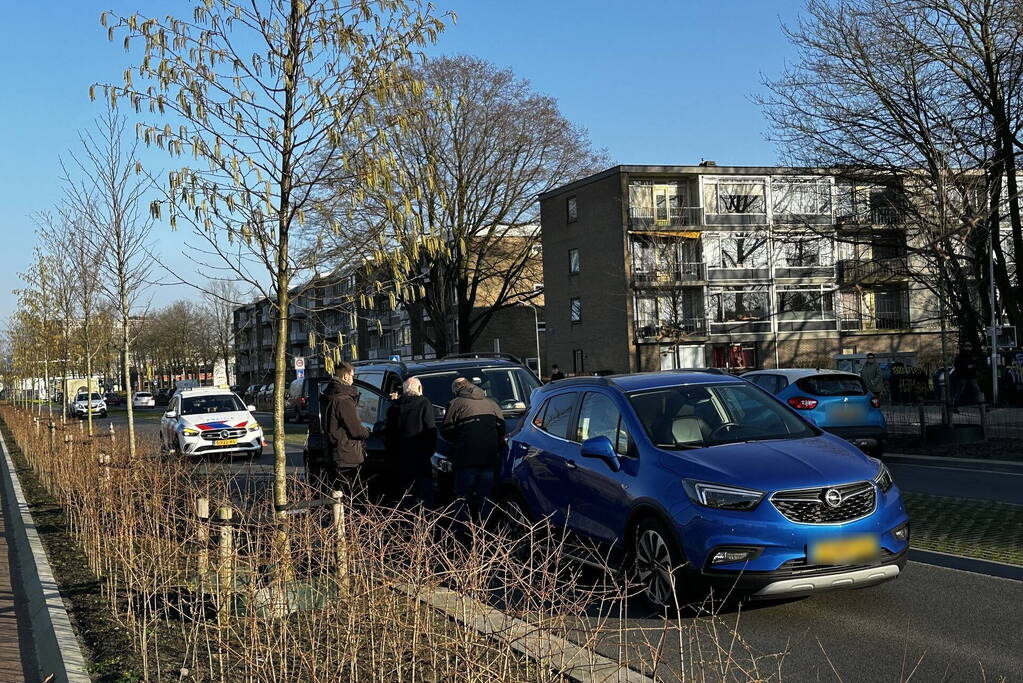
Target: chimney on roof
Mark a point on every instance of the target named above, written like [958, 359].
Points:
[708, 163]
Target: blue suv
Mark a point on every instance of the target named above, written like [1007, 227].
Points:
[693, 479]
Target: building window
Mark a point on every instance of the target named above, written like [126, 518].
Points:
[575, 310]
[740, 304]
[803, 302]
[891, 308]
[673, 315]
[806, 251]
[739, 250]
[577, 362]
[734, 356]
[572, 209]
[727, 196]
[801, 196]
[573, 261]
[658, 204]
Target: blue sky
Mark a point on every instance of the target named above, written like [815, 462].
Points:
[654, 81]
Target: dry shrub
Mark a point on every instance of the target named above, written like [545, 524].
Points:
[344, 594]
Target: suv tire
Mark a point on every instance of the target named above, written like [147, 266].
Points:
[657, 564]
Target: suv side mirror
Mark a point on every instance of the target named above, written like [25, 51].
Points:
[170, 414]
[601, 447]
[250, 408]
[379, 428]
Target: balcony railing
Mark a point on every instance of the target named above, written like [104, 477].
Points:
[859, 271]
[678, 329]
[678, 218]
[880, 215]
[888, 320]
[669, 274]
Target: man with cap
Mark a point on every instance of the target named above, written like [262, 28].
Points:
[474, 425]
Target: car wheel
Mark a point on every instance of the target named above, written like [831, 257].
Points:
[657, 564]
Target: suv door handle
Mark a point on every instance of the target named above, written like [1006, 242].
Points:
[570, 464]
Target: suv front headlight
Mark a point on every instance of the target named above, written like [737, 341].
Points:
[188, 431]
[884, 479]
[254, 427]
[721, 496]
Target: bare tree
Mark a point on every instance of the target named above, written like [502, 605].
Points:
[220, 299]
[85, 262]
[268, 96]
[916, 95]
[107, 190]
[459, 224]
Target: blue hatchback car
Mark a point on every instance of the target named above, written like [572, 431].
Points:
[837, 402]
[693, 479]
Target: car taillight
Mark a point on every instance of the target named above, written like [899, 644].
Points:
[875, 401]
[301, 401]
[803, 403]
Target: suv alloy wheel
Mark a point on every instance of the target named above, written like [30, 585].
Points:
[657, 563]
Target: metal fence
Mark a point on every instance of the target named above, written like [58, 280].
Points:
[911, 423]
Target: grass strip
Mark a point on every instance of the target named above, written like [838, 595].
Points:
[982, 529]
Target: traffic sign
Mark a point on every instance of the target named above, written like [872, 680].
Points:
[299, 363]
[300, 373]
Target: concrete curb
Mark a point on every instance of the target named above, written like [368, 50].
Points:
[572, 661]
[1010, 466]
[967, 564]
[54, 643]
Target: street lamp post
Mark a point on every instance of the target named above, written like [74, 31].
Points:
[536, 333]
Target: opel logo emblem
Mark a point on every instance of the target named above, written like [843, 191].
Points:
[224, 434]
[833, 498]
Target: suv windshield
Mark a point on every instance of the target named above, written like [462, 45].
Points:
[85, 397]
[213, 403]
[509, 387]
[695, 416]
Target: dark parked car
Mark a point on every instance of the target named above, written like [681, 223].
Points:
[297, 397]
[113, 398]
[265, 398]
[501, 376]
[163, 396]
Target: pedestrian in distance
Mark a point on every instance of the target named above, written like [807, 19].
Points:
[871, 375]
[474, 425]
[968, 390]
[343, 431]
[411, 440]
[556, 373]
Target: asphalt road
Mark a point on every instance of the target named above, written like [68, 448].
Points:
[959, 482]
[945, 624]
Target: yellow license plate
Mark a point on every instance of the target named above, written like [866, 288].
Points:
[226, 442]
[844, 550]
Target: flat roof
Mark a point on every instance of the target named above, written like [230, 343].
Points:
[690, 170]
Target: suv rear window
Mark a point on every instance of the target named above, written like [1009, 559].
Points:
[832, 385]
[509, 387]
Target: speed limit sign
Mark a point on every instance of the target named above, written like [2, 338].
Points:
[299, 363]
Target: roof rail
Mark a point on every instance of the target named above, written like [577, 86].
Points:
[483, 354]
[577, 381]
[378, 361]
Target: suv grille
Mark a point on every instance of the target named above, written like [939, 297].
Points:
[218, 434]
[808, 506]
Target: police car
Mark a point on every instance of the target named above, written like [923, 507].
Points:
[210, 421]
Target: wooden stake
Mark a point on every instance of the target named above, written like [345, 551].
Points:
[225, 570]
[202, 512]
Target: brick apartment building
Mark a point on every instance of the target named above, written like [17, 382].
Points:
[656, 267]
[324, 306]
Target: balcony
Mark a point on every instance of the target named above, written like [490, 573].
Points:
[669, 275]
[684, 328]
[877, 271]
[803, 272]
[678, 218]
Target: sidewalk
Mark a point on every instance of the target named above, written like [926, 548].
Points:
[11, 668]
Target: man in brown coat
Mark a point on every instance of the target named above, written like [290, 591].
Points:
[474, 425]
[342, 428]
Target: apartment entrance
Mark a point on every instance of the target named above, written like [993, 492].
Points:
[682, 356]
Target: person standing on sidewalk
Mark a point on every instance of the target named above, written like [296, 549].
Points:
[342, 429]
[411, 439]
[968, 391]
[556, 374]
[871, 375]
[474, 425]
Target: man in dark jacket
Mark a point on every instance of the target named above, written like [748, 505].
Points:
[968, 390]
[474, 425]
[556, 373]
[411, 440]
[343, 432]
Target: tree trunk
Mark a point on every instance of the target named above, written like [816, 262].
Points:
[125, 371]
[86, 326]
